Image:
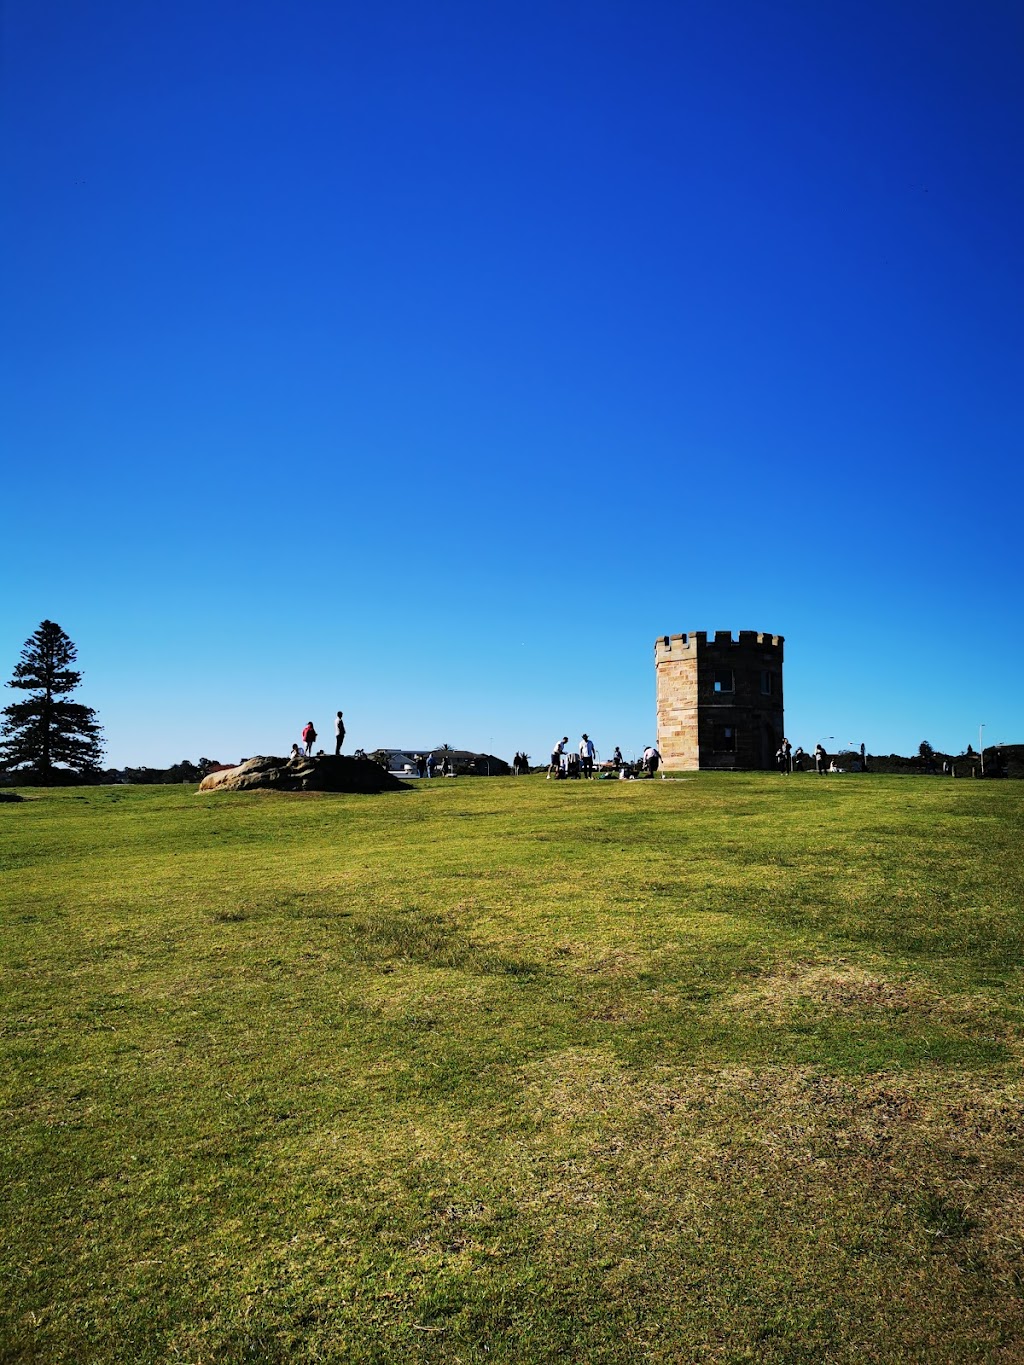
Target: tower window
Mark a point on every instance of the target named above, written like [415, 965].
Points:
[767, 682]
[724, 681]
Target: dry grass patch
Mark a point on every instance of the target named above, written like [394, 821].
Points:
[589, 958]
[842, 987]
[836, 986]
[750, 1189]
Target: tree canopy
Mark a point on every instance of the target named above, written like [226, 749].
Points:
[45, 733]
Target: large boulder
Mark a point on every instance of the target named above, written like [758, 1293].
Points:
[325, 774]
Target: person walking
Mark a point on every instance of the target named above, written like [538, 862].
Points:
[308, 737]
[617, 757]
[339, 734]
[587, 752]
[555, 766]
[431, 765]
[820, 759]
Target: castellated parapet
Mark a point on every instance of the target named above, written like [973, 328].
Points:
[719, 699]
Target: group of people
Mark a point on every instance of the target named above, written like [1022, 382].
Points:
[575, 763]
[578, 763]
[581, 763]
[428, 766]
[790, 760]
[309, 738]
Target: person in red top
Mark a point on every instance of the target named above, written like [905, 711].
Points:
[308, 737]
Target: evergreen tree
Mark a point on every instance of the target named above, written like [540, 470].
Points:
[45, 732]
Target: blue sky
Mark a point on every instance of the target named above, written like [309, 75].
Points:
[431, 361]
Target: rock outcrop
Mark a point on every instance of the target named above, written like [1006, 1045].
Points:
[326, 774]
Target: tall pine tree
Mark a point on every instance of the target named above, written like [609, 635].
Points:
[45, 733]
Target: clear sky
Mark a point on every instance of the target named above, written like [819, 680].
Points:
[429, 361]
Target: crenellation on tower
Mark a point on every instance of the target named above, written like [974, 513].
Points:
[719, 700]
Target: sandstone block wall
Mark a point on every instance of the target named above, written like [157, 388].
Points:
[676, 674]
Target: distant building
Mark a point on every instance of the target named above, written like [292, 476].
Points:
[719, 699]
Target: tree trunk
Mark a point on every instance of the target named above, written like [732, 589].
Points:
[47, 714]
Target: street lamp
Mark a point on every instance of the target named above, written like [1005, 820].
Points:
[981, 748]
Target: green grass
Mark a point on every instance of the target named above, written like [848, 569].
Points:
[724, 1068]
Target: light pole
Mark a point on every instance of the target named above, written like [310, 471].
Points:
[981, 748]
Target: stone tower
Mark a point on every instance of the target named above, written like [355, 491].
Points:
[719, 699]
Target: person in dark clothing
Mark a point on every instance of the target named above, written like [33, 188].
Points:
[339, 734]
[587, 756]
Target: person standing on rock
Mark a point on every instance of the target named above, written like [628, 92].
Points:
[339, 734]
[308, 737]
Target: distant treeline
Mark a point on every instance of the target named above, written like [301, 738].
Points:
[185, 771]
[1003, 760]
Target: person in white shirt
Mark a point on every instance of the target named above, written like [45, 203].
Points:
[555, 766]
[652, 760]
[587, 752]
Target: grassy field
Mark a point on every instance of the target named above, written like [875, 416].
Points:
[723, 1068]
